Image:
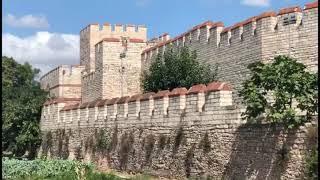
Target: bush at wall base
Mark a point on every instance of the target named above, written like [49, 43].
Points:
[43, 169]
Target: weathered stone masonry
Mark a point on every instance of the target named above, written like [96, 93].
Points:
[259, 38]
[99, 114]
[164, 134]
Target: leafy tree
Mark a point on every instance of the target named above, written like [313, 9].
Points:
[286, 81]
[177, 68]
[22, 99]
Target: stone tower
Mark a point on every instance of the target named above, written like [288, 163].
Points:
[112, 59]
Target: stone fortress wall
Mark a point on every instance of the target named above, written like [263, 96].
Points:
[136, 123]
[164, 134]
[63, 81]
[292, 31]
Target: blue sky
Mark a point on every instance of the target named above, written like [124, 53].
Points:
[42, 31]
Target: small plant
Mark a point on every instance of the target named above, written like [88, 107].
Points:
[168, 141]
[65, 148]
[312, 154]
[46, 143]
[114, 140]
[86, 145]
[312, 165]
[126, 144]
[102, 141]
[205, 143]
[59, 136]
[77, 153]
[162, 142]
[312, 136]
[188, 160]
[178, 139]
[283, 153]
[140, 131]
[150, 140]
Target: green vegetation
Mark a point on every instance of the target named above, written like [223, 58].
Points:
[205, 144]
[102, 141]
[56, 170]
[312, 154]
[13, 168]
[312, 165]
[177, 68]
[22, 99]
[287, 82]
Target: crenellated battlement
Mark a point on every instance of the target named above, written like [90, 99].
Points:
[116, 30]
[112, 56]
[95, 33]
[63, 81]
[103, 93]
[258, 38]
[162, 38]
[210, 30]
[176, 103]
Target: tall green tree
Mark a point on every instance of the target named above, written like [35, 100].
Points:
[177, 68]
[289, 86]
[22, 100]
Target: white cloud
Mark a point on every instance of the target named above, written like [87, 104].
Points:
[44, 50]
[261, 3]
[27, 21]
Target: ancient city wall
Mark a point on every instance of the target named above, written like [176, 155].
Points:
[182, 133]
[292, 31]
[196, 132]
[63, 81]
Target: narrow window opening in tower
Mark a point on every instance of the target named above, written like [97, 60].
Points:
[292, 19]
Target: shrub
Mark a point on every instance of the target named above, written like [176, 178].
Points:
[101, 176]
[177, 68]
[102, 141]
[14, 169]
[286, 81]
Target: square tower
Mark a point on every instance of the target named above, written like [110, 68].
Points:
[113, 63]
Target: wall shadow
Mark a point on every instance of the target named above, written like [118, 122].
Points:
[259, 151]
